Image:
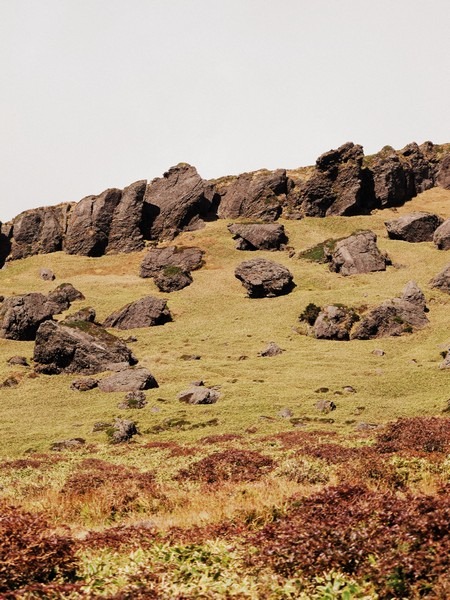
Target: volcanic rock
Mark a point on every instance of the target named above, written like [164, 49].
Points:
[79, 347]
[128, 220]
[21, 316]
[85, 314]
[264, 278]
[158, 259]
[128, 380]
[146, 312]
[133, 400]
[394, 317]
[47, 274]
[199, 394]
[122, 431]
[84, 385]
[441, 236]
[176, 202]
[70, 444]
[443, 174]
[254, 236]
[90, 222]
[257, 195]
[357, 254]
[334, 323]
[271, 350]
[18, 360]
[62, 296]
[442, 280]
[415, 227]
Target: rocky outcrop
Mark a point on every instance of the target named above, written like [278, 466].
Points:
[128, 220]
[128, 380]
[257, 236]
[394, 317]
[443, 173]
[441, 236]
[264, 278]
[79, 347]
[442, 280]
[178, 201]
[38, 231]
[90, 224]
[146, 312]
[356, 254]
[415, 227]
[258, 195]
[21, 316]
[85, 314]
[334, 323]
[62, 297]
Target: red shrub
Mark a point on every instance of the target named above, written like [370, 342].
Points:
[219, 438]
[420, 434]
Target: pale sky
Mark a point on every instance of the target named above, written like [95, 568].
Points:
[101, 93]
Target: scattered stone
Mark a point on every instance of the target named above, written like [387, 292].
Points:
[62, 297]
[264, 278]
[445, 364]
[362, 426]
[394, 317]
[158, 259]
[378, 352]
[415, 227]
[356, 254]
[101, 426]
[130, 339]
[442, 280]
[322, 390]
[79, 347]
[271, 350]
[243, 357]
[84, 385]
[71, 444]
[190, 357]
[21, 316]
[146, 312]
[47, 274]
[285, 413]
[325, 406]
[9, 382]
[122, 431]
[441, 236]
[18, 360]
[334, 323]
[199, 394]
[128, 380]
[133, 400]
[349, 389]
[87, 314]
[258, 236]
[172, 279]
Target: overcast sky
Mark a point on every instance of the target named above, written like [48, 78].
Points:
[100, 93]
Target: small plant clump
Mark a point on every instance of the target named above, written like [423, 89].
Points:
[310, 313]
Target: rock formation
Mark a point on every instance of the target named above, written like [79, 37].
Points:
[442, 280]
[415, 227]
[334, 323]
[254, 236]
[21, 316]
[264, 278]
[128, 380]
[357, 253]
[441, 236]
[146, 312]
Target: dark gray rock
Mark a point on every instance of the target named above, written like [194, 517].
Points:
[128, 380]
[442, 280]
[84, 385]
[253, 236]
[415, 227]
[146, 312]
[356, 254]
[62, 297]
[325, 406]
[158, 260]
[133, 400]
[334, 323]
[18, 360]
[441, 236]
[271, 350]
[394, 317]
[258, 195]
[47, 274]
[178, 201]
[199, 394]
[90, 222]
[128, 220]
[443, 173]
[21, 316]
[85, 314]
[172, 279]
[264, 278]
[122, 430]
[79, 347]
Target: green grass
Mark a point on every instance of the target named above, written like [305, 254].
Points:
[214, 319]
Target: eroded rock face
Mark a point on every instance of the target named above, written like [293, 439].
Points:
[128, 380]
[146, 312]
[128, 220]
[176, 202]
[90, 223]
[441, 236]
[415, 227]
[258, 195]
[443, 173]
[38, 231]
[255, 236]
[394, 317]
[79, 347]
[358, 253]
[264, 278]
[21, 316]
[442, 280]
[334, 323]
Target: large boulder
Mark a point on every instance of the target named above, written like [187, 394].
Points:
[443, 173]
[62, 297]
[178, 201]
[38, 231]
[199, 394]
[334, 323]
[441, 236]
[21, 316]
[172, 279]
[356, 254]
[415, 227]
[125, 233]
[146, 312]
[90, 224]
[258, 195]
[258, 236]
[128, 380]
[78, 347]
[442, 280]
[158, 259]
[264, 278]
[394, 317]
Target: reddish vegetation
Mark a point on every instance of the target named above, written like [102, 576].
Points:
[422, 434]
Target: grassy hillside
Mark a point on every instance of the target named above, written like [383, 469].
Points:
[214, 319]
